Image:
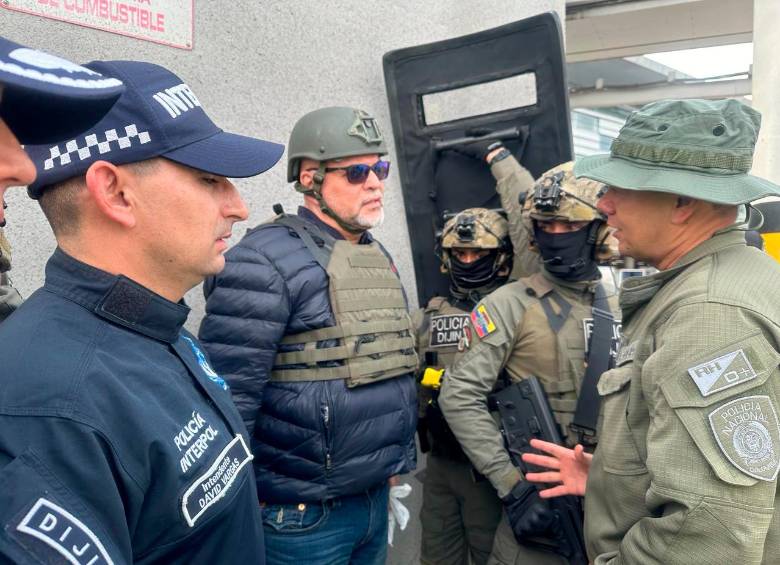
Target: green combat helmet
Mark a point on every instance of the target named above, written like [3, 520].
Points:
[327, 134]
[477, 228]
[558, 195]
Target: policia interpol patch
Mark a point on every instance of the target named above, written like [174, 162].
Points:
[748, 433]
[447, 329]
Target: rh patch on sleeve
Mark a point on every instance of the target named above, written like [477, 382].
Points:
[722, 372]
[64, 533]
[481, 321]
[748, 433]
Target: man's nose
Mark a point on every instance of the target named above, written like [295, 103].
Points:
[373, 182]
[235, 205]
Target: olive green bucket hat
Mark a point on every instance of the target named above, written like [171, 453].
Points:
[697, 148]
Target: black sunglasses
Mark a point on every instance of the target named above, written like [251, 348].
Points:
[357, 174]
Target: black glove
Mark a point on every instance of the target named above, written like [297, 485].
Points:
[478, 149]
[529, 514]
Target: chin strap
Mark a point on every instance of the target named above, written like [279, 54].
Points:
[315, 190]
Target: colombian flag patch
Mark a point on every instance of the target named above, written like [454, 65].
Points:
[481, 321]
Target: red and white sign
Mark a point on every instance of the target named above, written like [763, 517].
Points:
[162, 21]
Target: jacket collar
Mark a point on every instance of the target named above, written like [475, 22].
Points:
[115, 298]
[637, 291]
[309, 216]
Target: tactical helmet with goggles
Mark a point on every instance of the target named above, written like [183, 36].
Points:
[477, 229]
[559, 196]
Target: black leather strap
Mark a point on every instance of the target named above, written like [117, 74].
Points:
[586, 414]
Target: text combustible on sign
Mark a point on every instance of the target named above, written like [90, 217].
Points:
[163, 21]
[112, 10]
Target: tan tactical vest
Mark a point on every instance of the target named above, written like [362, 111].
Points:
[557, 358]
[372, 323]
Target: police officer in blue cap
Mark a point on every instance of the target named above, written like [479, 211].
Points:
[118, 441]
[42, 98]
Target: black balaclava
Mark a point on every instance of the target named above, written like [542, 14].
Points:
[472, 281]
[570, 256]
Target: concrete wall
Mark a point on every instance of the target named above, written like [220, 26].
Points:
[257, 66]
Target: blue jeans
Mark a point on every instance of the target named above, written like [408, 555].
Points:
[348, 530]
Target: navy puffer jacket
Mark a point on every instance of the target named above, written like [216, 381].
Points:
[311, 440]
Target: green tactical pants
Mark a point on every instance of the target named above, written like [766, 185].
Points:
[506, 550]
[459, 516]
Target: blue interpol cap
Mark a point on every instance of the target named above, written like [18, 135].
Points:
[46, 98]
[157, 116]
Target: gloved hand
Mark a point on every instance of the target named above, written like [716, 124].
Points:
[529, 515]
[397, 513]
[478, 149]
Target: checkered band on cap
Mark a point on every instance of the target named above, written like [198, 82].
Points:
[83, 148]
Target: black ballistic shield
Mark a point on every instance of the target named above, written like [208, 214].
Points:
[505, 83]
[525, 414]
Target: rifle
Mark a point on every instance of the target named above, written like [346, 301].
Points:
[525, 414]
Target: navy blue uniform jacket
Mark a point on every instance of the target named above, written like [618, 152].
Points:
[118, 441]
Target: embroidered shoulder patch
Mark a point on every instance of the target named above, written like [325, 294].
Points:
[64, 533]
[748, 433]
[204, 364]
[722, 372]
[481, 321]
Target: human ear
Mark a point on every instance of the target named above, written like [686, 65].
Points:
[683, 209]
[111, 192]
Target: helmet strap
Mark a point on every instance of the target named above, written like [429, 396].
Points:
[315, 190]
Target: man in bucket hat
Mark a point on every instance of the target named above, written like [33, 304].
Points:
[686, 470]
[42, 98]
[118, 441]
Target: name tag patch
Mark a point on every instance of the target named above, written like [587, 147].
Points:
[212, 485]
[64, 533]
[748, 433]
[722, 372]
[626, 353]
[482, 322]
[446, 330]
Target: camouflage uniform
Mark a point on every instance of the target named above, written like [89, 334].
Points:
[10, 299]
[516, 336]
[460, 509]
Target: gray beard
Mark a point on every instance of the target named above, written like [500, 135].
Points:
[367, 223]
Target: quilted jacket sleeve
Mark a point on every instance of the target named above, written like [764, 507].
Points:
[247, 312]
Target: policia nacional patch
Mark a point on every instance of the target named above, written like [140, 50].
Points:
[748, 433]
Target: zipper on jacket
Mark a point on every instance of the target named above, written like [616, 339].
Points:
[325, 411]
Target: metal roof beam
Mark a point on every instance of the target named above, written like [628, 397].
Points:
[604, 30]
[594, 98]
